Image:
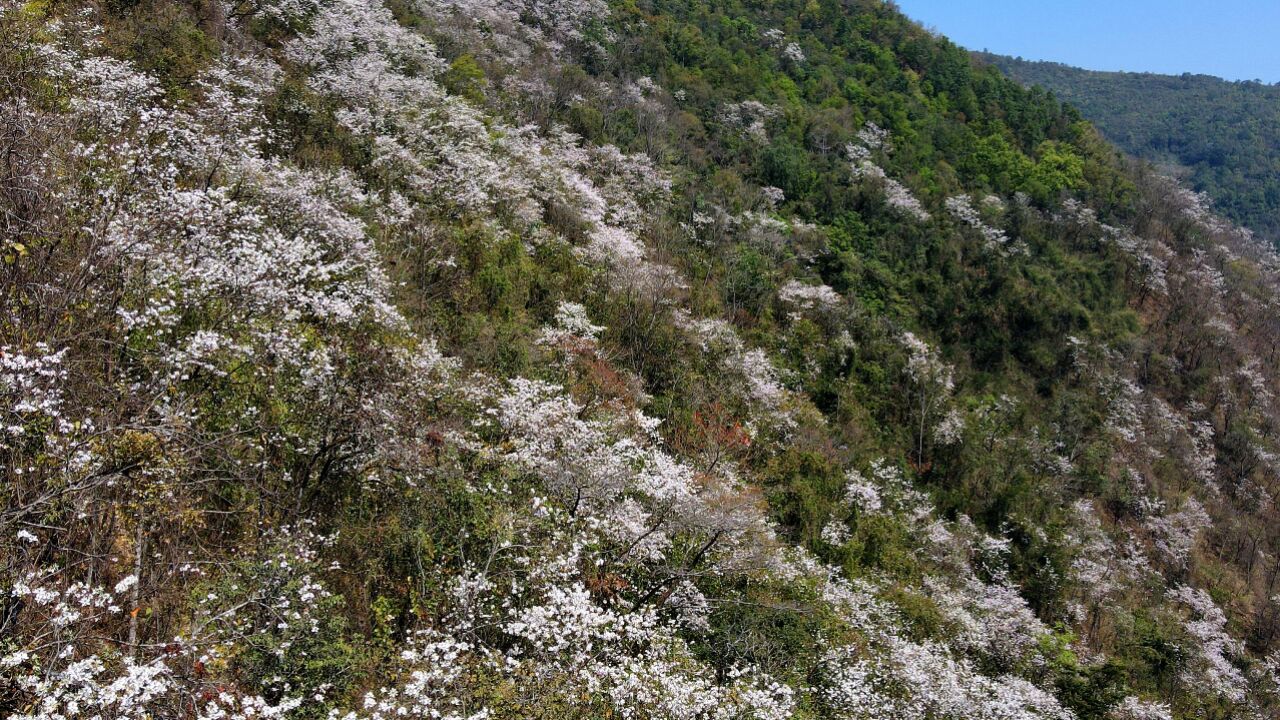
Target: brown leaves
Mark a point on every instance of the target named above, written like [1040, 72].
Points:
[607, 587]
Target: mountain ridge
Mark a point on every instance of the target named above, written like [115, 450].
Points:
[1216, 131]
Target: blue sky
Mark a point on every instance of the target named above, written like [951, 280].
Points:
[1235, 39]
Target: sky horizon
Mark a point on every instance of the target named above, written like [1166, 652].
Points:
[1231, 39]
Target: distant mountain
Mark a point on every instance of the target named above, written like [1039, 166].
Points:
[1223, 137]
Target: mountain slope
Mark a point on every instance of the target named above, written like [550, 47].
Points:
[668, 359]
[1221, 135]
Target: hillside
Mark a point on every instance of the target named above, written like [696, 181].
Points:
[476, 360]
[1222, 137]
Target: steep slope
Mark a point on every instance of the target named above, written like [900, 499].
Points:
[463, 359]
[1223, 136]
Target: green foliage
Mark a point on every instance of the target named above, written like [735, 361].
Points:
[165, 39]
[803, 487]
[765, 631]
[1223, 136]
[259, 629]
[1058, 169]
[748, 285]
[465, 77]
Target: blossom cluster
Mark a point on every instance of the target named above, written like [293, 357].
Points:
[873, 139]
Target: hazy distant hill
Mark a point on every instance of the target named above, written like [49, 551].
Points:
[1226, 135]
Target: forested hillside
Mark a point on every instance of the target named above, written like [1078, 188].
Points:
[373, 359]
[1222, 137]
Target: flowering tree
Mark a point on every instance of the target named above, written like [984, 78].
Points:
[932, 384]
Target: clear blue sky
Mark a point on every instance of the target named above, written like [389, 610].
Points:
[1235, 39]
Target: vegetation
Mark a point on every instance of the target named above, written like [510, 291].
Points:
[631, 359]
[1219, 136]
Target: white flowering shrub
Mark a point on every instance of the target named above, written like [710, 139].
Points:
[961, 208]
[1214, 647]
[933, 383]
[873, 139]
[860, 494]
[808, 296]
[1132, 708]
[1176, 534]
